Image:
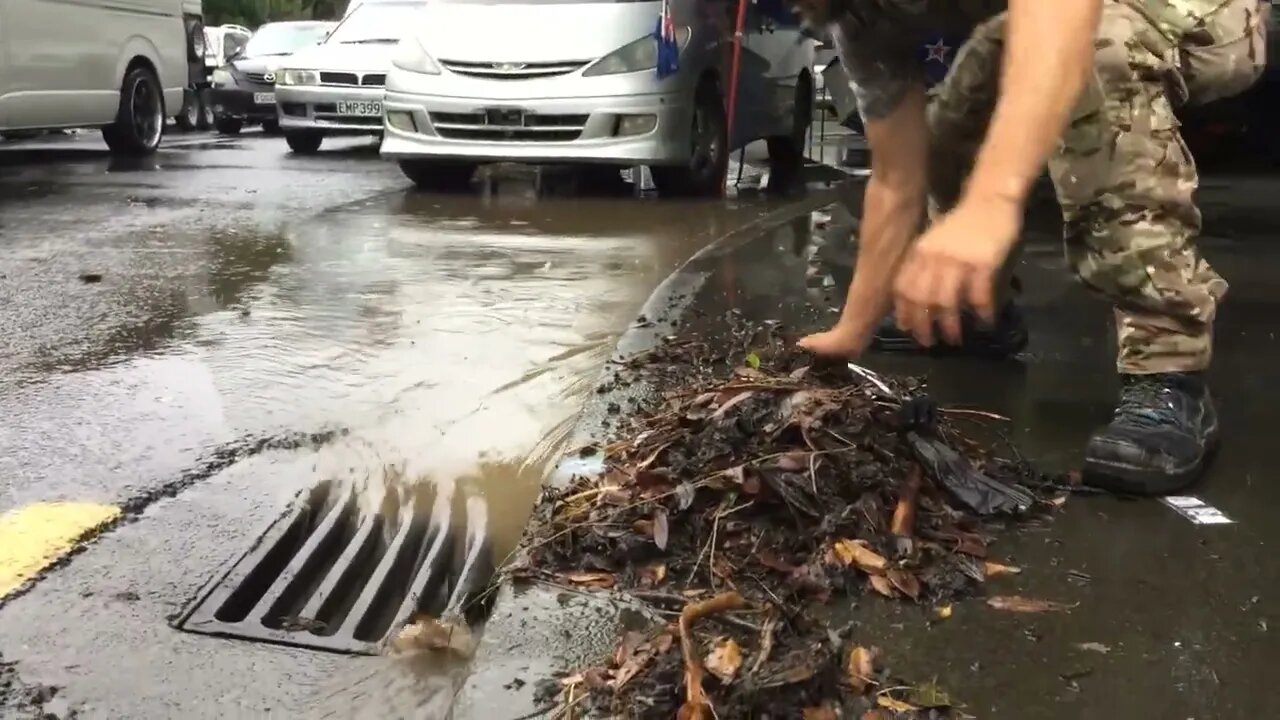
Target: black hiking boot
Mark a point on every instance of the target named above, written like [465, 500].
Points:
[1007, 337]
[1164, 429]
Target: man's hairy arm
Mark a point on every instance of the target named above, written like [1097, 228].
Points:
[1048, 58]
[893, 204]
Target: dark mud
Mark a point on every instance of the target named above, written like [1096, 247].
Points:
[751, 499]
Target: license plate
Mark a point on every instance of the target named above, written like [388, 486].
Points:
[364, 108]
[264, 98]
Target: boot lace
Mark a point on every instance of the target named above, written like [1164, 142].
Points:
[1148, 404]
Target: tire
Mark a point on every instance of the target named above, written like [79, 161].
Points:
[271, 127]
[139, 123]
[207, 119]
[303, 142]
[786, 152]
[436, 176]
[228, 126]
[704, 174]
[188, 118]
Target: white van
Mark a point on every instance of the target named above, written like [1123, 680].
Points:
[120, 65]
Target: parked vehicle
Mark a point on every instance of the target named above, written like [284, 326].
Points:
[336, 87]
[244, 88]
[122, 67]
[568, 81]
[219, 43]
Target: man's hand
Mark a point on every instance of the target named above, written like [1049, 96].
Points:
[846, 340]
[956, 262]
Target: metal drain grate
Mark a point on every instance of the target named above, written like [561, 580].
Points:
[333, 575]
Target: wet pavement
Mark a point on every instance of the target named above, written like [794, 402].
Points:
[1171, 619]
[197, 337]
[460, 336]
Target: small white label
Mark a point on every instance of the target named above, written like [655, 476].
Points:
[264, 98]
[1197, 510]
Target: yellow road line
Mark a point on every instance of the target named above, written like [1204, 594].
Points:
[33, 537]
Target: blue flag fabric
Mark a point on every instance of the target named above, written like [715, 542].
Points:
[668, 46]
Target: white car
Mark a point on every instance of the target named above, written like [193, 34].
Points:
[336, 87]
[573, 81]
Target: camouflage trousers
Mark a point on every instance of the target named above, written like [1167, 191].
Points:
[1123, 175]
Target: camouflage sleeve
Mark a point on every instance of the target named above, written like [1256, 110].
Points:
[881, 62]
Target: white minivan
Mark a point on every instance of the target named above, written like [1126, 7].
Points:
[120, 65]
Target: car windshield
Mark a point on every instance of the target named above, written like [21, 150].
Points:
[283, 39]
[375, 23]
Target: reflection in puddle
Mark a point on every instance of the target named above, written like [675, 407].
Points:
[456, 337]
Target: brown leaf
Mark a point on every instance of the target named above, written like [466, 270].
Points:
[773, 562]
[882, 585]
[590, 579]
[661, 532]
[652, 575]
[631, 662]
[735, 399]
[897, 706]
[1017, 603]
[724, 659]
[942, 613]
[993, 569]
[794, 461]
[823, 712]
[971, 545]
[876, 715]
[906, 582]
[859, 553]
[685, 494]
[860, 669]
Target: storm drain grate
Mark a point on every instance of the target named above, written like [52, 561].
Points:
[332, 574]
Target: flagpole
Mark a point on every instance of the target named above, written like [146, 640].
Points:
[735, 67]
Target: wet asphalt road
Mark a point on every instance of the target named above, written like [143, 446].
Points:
[226, 293]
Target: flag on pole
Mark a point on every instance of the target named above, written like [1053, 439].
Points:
[668, 46]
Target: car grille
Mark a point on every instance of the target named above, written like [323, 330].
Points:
[500, 125]
[353, 79]
[258, 78]
[513, 71]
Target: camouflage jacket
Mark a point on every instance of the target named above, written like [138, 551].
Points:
[880, 41]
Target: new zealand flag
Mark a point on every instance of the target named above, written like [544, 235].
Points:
[937, 54]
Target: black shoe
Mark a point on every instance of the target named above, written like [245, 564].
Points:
[1164, 429]
[1008, 337]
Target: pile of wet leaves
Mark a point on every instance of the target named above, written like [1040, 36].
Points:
[740, 502]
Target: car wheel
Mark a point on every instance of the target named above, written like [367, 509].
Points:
[271, 127]
[228, 126]
[189, 116]
[303, 142]
[207, 119]
[433, 175]
[704, 174]
[786, 152]
[139, 123]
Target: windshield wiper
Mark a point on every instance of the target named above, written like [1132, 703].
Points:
[369, 41]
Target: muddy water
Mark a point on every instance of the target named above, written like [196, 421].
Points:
[454, 338]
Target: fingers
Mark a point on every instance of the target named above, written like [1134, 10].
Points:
[981, 293]
[912, 297]
[947, 289]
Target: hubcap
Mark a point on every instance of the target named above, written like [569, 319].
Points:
[147, 109]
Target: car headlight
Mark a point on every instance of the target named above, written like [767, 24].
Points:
[222, 78]
[411, 56]
[298, 77]
[635, 56]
